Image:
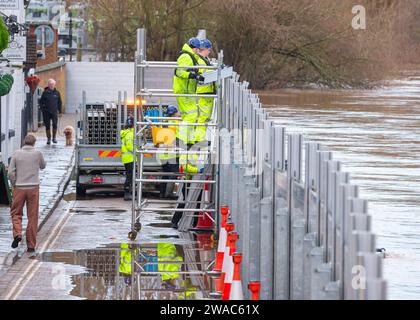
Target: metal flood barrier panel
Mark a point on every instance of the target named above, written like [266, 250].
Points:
[303, 231]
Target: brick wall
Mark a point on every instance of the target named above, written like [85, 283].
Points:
[59, 75]
[51, 52]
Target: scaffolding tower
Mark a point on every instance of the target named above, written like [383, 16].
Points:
[209, 153]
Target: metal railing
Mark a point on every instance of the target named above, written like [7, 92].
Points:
[303, 230]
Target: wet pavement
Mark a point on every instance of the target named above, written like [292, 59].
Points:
[84, 254]
[60, 162]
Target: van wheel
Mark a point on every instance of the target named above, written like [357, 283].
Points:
[80, 190]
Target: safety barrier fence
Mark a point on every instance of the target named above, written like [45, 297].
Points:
[303, 231]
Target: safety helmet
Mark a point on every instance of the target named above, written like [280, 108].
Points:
[171, 110]
[205, 43]
[130, 122]
[194, 42]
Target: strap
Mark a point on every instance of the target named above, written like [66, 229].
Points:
[194, 60]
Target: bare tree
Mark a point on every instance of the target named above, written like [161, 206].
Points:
[271, 43]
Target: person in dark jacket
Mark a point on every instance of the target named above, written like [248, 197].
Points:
[51, 107]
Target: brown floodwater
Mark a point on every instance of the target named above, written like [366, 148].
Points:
[376, 135]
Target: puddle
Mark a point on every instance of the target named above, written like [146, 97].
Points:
[163, 213]
[109, 271]
[166, 237]
[94, 194]
[168, 218]
[83, 212]
[99, 210]
[113, 220]
[70, 197]
[113, 210]
[160, 225]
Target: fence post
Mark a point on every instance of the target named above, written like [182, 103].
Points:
[281, 217]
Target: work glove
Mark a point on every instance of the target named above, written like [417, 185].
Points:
[196, 76]
[192, 75]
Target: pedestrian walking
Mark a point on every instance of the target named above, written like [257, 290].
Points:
[24, 177]
[51, 107]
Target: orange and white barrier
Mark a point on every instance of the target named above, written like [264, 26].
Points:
[255, 287]
[222, 240]
[236, 292]
[226, 257]
[228, 279]
[228, 262]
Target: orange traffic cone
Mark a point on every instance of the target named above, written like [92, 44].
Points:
[204, 222]
[227, 283]
[226, 257]
[236, 292]
[222, 241]
[254, 287]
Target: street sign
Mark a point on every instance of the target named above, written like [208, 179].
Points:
[16, 52]
[9, 4]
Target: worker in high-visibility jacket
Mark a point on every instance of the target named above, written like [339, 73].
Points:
[127, 157]
[170, 160]
[205, 105]
[191, 164]
[185, 82]
[166, 254]
[127, 253]
[190, 290]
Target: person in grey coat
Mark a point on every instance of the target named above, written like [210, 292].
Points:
[23, 174]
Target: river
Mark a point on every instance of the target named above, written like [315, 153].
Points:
[376, 135]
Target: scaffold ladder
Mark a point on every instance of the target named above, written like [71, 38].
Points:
[209, 153]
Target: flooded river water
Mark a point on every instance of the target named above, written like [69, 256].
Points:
[376, 134]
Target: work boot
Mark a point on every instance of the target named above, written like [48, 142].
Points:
[54, 135]
[16, 241]
[48, 132]
[128, 196]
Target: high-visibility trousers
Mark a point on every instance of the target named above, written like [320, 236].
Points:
[189, 113]
[205, 107]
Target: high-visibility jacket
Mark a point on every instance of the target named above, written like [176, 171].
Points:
[125, 259]
[205, 105]
[191, 163]
[167, 252]
[182, 84]
[205, 88]
[190, 291]
[181, 81]
[127, 145]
